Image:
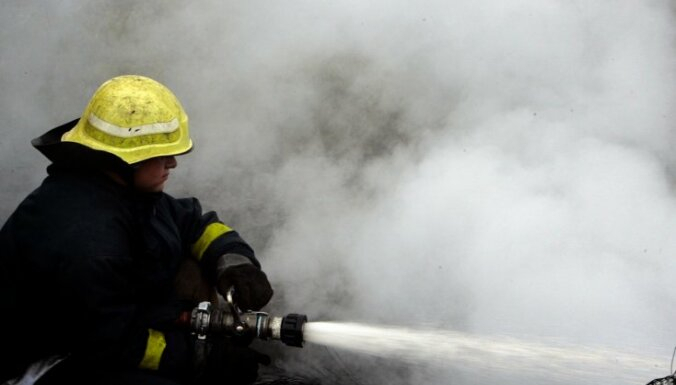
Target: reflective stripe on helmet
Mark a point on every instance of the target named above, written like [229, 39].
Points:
[154, 142]
[210, 233]
[128, 132]
[154, 349]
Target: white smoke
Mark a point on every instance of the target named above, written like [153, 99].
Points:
[485, 166]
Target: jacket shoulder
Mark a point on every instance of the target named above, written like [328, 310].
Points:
[72, 213]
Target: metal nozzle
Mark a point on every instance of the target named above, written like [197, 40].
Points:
[206, 319]
[288, 329]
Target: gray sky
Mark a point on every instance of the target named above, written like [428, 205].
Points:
[500, 167]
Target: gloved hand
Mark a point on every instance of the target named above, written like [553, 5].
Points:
[252, 288]
[233, 365]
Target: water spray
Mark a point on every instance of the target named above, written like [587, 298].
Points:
[541, 359]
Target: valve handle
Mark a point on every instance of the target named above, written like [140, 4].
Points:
[229, 298]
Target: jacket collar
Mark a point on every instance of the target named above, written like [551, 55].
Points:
[76, 156]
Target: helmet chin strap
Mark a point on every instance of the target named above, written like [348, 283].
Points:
[123, 177]
[117, 178]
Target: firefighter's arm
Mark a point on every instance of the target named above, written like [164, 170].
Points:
[227, 260]
[111, 328]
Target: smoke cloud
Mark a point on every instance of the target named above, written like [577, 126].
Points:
[487, 167]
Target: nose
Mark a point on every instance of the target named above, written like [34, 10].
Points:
[170, 162]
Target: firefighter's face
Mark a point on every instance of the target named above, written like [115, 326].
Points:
[151, 174]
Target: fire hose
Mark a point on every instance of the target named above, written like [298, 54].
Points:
[207, 319]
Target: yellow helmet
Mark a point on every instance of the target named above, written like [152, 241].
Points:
[135, 118]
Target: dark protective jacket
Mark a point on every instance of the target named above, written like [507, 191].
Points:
[87, 267]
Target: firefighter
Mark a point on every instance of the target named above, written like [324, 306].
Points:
[98, 262]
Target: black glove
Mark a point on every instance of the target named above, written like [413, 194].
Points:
[232, 365]
[252, 288]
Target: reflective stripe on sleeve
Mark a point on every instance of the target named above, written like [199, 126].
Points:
[154, 349]
[211, 232]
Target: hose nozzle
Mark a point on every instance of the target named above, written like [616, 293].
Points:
[206, 319]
